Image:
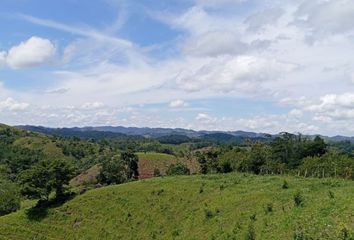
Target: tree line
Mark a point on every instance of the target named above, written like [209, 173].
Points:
[287, 153]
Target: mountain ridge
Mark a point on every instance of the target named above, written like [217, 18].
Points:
[148, 132]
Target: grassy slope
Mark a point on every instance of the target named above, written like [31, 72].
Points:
[175, 208]
[150, 161]
[34, 141]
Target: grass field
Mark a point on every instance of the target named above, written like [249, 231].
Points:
[232, 206]
[150, 161]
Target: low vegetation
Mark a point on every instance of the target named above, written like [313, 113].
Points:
[247, 207]
[283, 187]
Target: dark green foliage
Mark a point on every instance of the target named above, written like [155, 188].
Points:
[285, 185]
[331, 194]
[208, 214]
[343, 147]
[258, 156]
[45, 177]
[130, 160]
[298, 199]
[178, 169]
[208, 161]
[119, 169]
[173, 139]
[251, 233]
[113, 171]
[269, 208]
[291, 149]
[9, 197]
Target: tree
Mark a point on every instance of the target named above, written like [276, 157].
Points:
[258, 156]
[45, 177]
[9, 198]
[317, 147]
[113, 171]
[119, 169]
[208, 161]
[178, 169]
[232, 160]
[131, 160]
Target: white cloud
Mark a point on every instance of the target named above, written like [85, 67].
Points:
[178, 103]
[204, 118]
[10, 104]
[326, 17]
[2, 58]
[218, 3]
[214, 44]
[92, 105]
[224, 48]
[33, 52]
[263, 18]
[225, 74]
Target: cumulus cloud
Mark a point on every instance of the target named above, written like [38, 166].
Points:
[31, 53]
[178, 103]
[10, 104]
[334, 106]
[223, 48]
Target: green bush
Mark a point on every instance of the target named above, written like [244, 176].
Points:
[298, 199]
[285, 185]
[178, 169]
[9, 198]
[251, 233]
[269, 208]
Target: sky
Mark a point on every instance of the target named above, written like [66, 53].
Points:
[255, 65]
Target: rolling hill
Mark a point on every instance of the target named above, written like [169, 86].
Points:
[165, 135]
[231, 206]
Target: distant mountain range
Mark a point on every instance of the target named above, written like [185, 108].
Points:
[162, 134]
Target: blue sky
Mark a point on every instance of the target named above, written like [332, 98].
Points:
[264, 66]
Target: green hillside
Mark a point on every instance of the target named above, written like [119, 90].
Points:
[150, 161]
[231, 206]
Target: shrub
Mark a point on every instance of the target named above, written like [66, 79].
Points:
[331, 194]
[345, 234]
[9, 198]
[298, 199]
[269, 208]
[251, 233]
[157, 172]
[178, 169]
[285, 185]
[208, 214]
